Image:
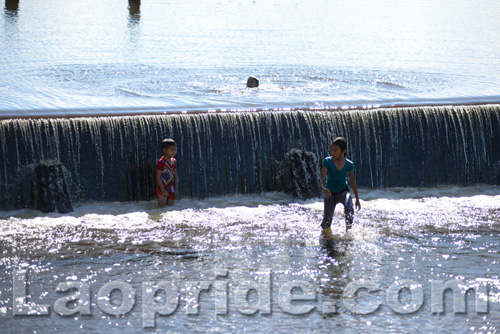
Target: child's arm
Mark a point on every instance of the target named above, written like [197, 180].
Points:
[326, 191]
[354, 187]
[160, 184]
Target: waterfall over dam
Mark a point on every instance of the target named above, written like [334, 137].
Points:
[114, 158]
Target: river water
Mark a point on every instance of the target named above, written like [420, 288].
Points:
[79, 58]
[420, 235]
[82, 58]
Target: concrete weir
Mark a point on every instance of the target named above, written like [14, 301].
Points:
[114, 158]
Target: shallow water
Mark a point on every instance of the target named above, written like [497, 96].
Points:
[86, 58]
[79, 58]
[422, 235]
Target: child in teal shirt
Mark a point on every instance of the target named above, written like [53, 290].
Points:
[335, 187]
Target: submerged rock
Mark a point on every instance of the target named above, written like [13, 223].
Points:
[49, 191]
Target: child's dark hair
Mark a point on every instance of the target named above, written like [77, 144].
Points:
[166, 143]
[252, 82]
[342, 143]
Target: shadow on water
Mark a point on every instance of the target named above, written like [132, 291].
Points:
[81, 242]
[334, 248]
[333, 264]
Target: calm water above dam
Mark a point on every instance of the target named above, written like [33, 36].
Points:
[61, 58]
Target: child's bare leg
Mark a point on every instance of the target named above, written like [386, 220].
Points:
[170, 199]
[162, 200]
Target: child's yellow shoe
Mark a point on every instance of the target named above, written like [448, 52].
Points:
[326, 233]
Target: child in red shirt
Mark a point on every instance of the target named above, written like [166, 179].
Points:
[166, 174]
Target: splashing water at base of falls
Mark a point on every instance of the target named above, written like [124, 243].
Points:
[423, 235]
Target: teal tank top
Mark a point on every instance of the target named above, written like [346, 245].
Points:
[336, 180]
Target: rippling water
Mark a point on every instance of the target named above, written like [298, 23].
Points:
[61, 58]
[422, 235]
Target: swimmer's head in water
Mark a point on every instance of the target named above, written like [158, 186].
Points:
[252, 82]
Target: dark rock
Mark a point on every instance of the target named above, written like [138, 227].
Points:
[304, 174]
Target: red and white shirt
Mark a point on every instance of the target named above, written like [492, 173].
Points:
[167, 173]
